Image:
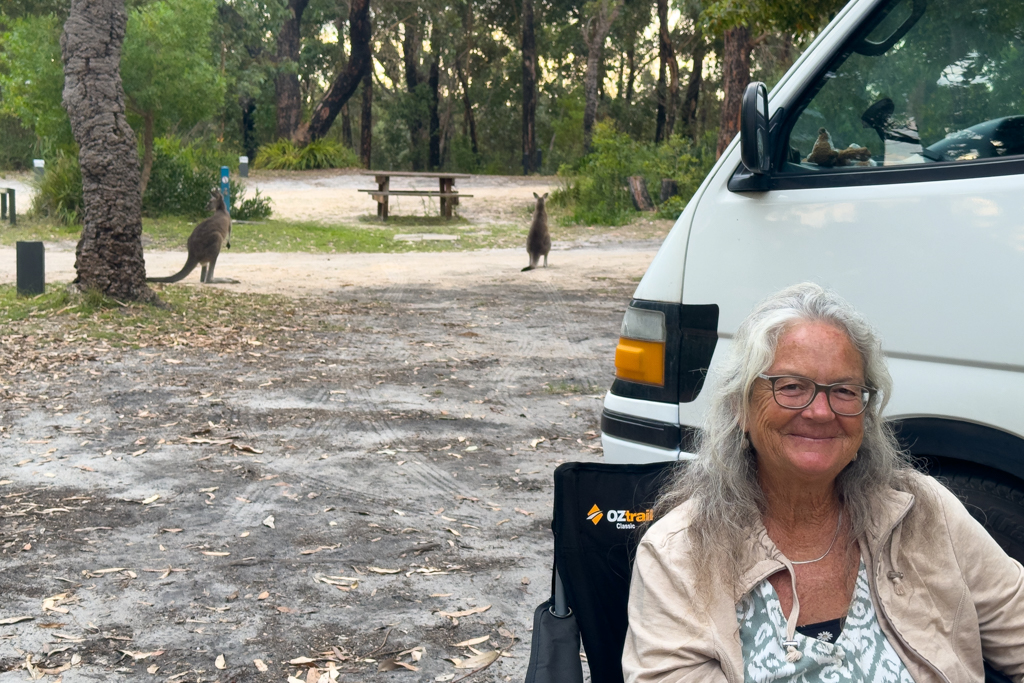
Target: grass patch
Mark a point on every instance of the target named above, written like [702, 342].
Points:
[37, 229]
[170, 233]
[367, 237]
[194, 316]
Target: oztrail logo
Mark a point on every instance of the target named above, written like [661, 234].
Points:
[623, 519]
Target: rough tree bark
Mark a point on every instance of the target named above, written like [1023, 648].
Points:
[366, 120]
[286, 83]
[595, 30]
[148, 138]
[529, 91]
[689, 108]
[434, 81]
[347, 81]
[109, 254]
[735, 78]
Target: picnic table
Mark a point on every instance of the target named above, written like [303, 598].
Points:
[447, 193]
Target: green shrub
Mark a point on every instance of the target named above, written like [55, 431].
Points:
[255, 208]
[597, 189]
[282, 155]
[177, 185]
[59, 193]
[181, 179]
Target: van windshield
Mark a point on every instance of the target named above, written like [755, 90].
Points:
[925, 81]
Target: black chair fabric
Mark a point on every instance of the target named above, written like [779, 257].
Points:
[596, 530]
[555, 648]
[599, 515]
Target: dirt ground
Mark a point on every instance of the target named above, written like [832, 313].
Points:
[335, 487]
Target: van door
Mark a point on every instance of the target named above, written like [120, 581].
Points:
[897, 182]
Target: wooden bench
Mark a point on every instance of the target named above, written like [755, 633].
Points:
[446, 193]
[7, 197]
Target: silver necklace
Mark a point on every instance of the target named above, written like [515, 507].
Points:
[839, 523]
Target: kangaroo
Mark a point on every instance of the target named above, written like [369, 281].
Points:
[205, 242]
[538, 242]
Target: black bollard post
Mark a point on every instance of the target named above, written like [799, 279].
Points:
[31, 268]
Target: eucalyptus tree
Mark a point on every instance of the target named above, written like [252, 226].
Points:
[109, 254]
[170, 77]
[347, 79]
[600, 15]
[286, 83]
[745, 24]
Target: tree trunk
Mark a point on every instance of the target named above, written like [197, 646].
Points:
[529, 91]
[346, 82]
[659, 93]
[435, 121]
[735, 78]
[689, 109]
[672, 98]
[109, 254]
[668, 93]
[147, 150]
[286, 83]
[346, 117]
[595, 30]
[248, 106]
[631, 78]
[366, 121]
[786, 53]
[411, 45]
[346, 126]
[469, 119]
[638, 192]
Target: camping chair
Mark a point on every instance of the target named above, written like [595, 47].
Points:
[599, 514]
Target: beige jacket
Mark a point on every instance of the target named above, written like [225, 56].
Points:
[945, 593]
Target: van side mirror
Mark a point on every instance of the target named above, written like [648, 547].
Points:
[754, 147]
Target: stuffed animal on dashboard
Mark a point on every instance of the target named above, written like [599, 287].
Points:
[825, 154]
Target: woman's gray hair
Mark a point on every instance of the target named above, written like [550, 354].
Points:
[721, 483]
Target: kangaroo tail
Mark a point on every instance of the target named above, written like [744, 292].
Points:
[189, 266]
[527, 268]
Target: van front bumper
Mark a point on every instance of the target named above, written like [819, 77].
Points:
[631, 439]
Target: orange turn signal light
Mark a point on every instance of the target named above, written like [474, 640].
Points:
[640, 361]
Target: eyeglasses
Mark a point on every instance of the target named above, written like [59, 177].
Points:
[796, 393]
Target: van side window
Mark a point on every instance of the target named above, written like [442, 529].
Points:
[924, 82]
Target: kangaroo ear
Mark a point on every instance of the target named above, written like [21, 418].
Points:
[535, 196]
[545, 196]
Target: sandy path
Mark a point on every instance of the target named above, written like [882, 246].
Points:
[303, 274]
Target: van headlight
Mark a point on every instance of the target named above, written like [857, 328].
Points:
[640, 355]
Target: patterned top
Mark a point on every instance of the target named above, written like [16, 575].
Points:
[861, 652]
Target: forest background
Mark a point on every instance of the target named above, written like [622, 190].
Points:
[593, 90]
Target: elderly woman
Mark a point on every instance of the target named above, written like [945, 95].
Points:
[800, 545]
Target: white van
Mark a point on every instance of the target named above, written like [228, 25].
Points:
[888, 164]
